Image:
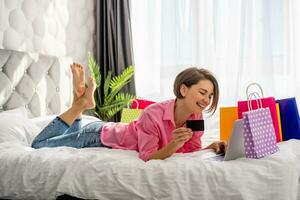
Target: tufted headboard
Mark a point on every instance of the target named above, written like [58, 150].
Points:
[40, 83]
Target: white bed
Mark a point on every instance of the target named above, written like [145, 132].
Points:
[100, 173]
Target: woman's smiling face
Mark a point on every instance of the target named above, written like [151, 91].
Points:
[198, 96]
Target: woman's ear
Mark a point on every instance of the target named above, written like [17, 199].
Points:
[183, 90]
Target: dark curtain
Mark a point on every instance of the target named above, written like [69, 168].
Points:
[113, 40]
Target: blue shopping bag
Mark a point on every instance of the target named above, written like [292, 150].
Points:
[290, 122]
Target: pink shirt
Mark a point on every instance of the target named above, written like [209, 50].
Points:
[151, 132]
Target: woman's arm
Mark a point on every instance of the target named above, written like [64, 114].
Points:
[165, 152]
[180, 136]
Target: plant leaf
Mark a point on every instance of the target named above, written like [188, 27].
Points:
[118, 82]
[121, 101]
[114, 101]
[95, 70]
[106, 84]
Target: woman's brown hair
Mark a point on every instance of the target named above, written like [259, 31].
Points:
[192, 76]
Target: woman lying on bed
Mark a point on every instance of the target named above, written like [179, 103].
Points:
[157, 134]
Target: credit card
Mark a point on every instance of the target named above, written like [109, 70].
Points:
[195, 125]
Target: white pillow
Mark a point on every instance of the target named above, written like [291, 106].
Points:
[14, 126]
[20, 111]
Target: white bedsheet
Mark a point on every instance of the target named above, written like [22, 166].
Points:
[100, 173]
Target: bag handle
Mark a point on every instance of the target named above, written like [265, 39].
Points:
[258, 100]
[259, 87]
[134, 100]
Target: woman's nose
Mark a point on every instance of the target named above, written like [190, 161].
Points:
[206, 99]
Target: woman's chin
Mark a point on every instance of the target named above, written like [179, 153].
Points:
[199, 110]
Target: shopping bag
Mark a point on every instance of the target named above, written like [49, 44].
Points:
[279, 121]
[290, 122]
[229, 114]
[141, 103]
[227, 117]
[266, 102]
[259, 132]
[129, 114]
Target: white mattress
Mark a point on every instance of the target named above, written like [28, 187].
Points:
[100, 173]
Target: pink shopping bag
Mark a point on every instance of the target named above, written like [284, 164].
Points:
[267, 102]
[141, 103]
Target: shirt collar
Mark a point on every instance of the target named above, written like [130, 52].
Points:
[169, 110]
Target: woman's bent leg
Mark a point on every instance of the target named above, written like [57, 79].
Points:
[55, 128]
[54, 133]
[88, 136]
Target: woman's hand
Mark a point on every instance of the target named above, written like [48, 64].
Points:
[218, 147]
[181, 135]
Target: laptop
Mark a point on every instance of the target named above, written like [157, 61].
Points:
[235, 148]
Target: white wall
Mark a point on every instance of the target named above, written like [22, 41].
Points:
[55, 27]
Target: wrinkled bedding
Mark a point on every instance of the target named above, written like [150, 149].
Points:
[100, 173]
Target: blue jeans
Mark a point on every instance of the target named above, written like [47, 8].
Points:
[58, 133]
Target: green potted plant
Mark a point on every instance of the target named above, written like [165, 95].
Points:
[113, 100]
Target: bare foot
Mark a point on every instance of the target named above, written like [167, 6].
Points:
[87, 101]
[78, 80]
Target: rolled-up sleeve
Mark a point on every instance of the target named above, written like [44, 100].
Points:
[148, 136]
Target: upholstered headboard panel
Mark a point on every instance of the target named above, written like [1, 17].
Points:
[40, 83]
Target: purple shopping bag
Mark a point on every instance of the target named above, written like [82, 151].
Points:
[259, 133]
